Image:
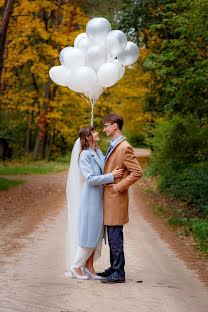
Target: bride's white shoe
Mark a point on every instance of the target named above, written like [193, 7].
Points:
[76, 275]
[86, 271]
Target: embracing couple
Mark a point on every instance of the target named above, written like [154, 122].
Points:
[97, 193]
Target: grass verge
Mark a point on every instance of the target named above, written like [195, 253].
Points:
[6, 184]
[182, 217]
[24, 167]
[187, 223]
[196, 227]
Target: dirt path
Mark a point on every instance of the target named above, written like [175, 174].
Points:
[22, 208]
[32, 277]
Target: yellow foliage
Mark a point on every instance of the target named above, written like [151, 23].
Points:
[34, 44]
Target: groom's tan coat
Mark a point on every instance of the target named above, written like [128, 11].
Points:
[115, 205]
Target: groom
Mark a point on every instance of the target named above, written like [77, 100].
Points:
[115, 205]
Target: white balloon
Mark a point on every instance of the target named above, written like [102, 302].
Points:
[73, 58]
[78, 38]
[121, 68]
[83, 44]
[74, 88]
[85, 78]
[108, 74]
[94, 93]
[82, 79]
[116, 42]
[129, 55]
[93, 51]
[69, 77]
[58, 75]
[97, 29]
[71, 82]
[110, 58]
[95, 56]
[61, 55]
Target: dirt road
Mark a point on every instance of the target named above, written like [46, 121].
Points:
[32, 277]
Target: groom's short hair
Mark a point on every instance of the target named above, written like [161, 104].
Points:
[114, 118]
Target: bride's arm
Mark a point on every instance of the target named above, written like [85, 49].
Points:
[88, 173]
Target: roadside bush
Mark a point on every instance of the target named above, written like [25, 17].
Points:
[180, 158]
[177, 142]
[190, 184]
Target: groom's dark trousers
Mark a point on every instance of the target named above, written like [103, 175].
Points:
[115, 240]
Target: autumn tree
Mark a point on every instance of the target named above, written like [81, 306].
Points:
[39, 30]
[6, 8]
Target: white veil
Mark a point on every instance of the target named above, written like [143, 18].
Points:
[73, 191]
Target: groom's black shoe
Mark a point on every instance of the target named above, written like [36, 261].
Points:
[106, 273]
[113, 278]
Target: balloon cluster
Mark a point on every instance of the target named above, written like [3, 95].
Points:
[96, 61]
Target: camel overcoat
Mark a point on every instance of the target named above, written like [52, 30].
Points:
[115, 205]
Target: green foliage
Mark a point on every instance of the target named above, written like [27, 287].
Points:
[178, 142]
[97, 8]
[148, 191]
[178, 68]
[10, 130]
[200, 232]
[159, 210]
[177, 221]
[6, 184]
[136, 139]
[180, 158]
[135, 17]
[190, 184]
[178, 64]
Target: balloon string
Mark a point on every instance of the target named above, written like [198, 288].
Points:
[84, 98]
[92, 102]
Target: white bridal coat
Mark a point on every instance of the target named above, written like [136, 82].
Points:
[91, 202]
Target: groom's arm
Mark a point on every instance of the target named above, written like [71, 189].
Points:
[134, 168]
[88, 173]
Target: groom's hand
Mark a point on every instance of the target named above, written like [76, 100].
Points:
[114, 187]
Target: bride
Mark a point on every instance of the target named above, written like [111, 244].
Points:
[85, 204]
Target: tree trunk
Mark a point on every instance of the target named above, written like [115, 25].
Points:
[28, 140]
[72, 15]
[7, 12]
[51, 141]
[30, 116]
[41, 140]
[29, 132]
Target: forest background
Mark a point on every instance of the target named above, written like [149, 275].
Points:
[162, 97]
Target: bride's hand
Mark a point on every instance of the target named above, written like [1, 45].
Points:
[117, 173]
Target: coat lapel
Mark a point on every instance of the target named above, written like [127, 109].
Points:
[96, 158]
[115, 147]
[101, 158]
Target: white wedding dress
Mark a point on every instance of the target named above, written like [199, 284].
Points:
[74, 186]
